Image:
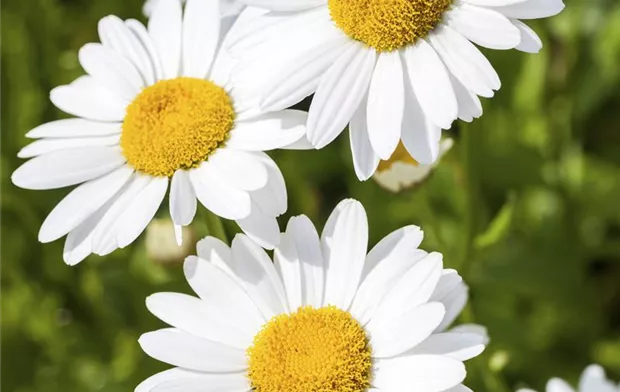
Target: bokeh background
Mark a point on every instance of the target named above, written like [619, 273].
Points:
[526, 206]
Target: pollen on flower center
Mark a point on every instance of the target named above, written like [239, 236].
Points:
[175, 124]
[387, 25]
[321, 350]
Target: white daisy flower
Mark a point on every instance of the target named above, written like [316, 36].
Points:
[323, 316]
[593, 379]
[156, 108]
[402, 172]
[395, 70]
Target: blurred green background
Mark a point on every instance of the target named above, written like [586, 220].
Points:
[526, 206]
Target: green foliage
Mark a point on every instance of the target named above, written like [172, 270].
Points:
[526, 206]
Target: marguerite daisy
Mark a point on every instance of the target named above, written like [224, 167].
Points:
[392, 69]
[402, 172]
[156, 108]
[593, 379]
[323, 316]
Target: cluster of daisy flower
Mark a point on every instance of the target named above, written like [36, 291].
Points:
[188, 106]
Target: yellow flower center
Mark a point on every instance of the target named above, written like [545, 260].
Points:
[400, 155]
[312, 350]
[175, 124]
[387, 25]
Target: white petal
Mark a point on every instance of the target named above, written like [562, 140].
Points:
[559, 385]
[386, 103]
[532, 9]
[217, 253]
[454, 302]
[182, 199]
[201, 36]
[104, 236]
[261, 228]
[64, 168]
[594, 379]
[270, 50]
[176, 379]
[181, 349]
[272, 198]
[116, 35]
[82, 202]
[465, 61]
[460, 346]
[245, 24]
[470, 106]
[400, 243]
[74, 127]
[286, 260]
[490, 3]
[262, 32]
[339, 94]
[141, 33]
[301, 144]
[530, 41]
[223, 294]
[88, 98]
[239, 169]
[79, 242]
[346, 246]
[300, 263]
[393, 257]
[46, 146]
[414, 289]
[268, 131]
[165, 29]
[140, 211]
[431, 84]
[420, 136]
[429, 373]
[302, 74]
[463, 388]
[258, 275]
[219, 197]
[393, 337]
[365, 159]
[193, 316]
[472, 329]
[449, 281]
[218, 382]
[401, 175]
[285, 5]
[484, 27]
[111, 70]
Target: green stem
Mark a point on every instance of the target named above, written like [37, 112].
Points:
[469, 181]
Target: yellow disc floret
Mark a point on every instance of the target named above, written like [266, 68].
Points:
[311, 350]
[387, 25]
[175, 124]
[400, 155]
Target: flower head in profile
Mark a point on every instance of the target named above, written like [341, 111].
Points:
[402, 172]
[323, 316]
[593, 379]
[394, 70]
[156, 110]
